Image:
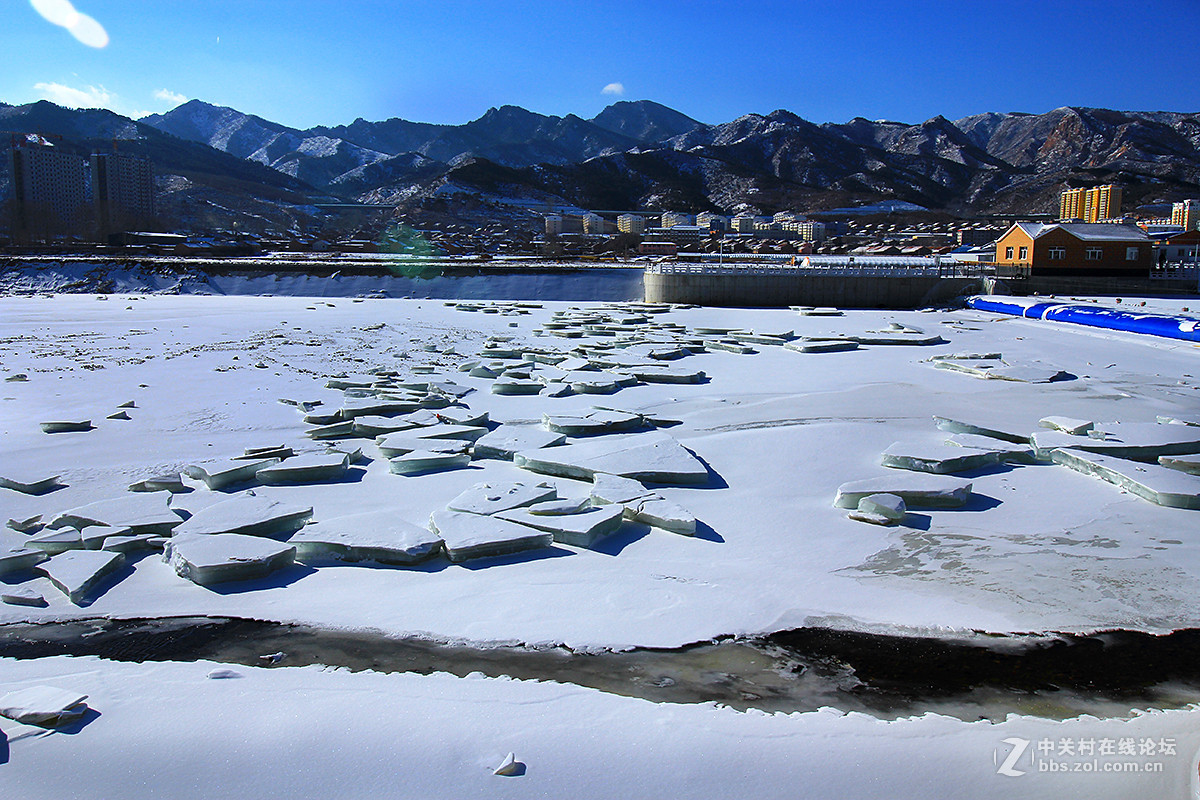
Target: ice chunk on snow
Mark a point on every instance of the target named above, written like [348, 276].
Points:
[19, 559]
[467, 536]
[666, 374]
[1007, 451]
[1190, 464]
[247, 514]
[306, 469]
[27, 524]
[858, 515]
[222, 557]
[916, 488]
[222, 474]
[23, 596]
[58, 540]
[77, 572]
[653, 457]
[936, 458]
[658, 512]
[133, 544]
[44, 706]
[164, 482]
[886, 505]
[593, 422]
[957, 426]
[21, 480]
[822, 346]
[559, 506]
[1158, 484]
[517, 386]
[508, 439]
[379, 536]
[417, 462]
[398, 444]
[615, 489]
[1126, 440]
[1069, 425]
[580, 529]
[509, 767]
[488, 498]
[139, 512]
[66, 426]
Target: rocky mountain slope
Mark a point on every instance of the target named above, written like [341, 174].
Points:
[645, 155]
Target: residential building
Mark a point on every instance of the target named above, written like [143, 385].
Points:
[806, 229]
[658, 248]
[672, 218]
[712, 222]
[631, 223]
[558, 224]
[744, 223]
[554, 224]
[1180, 247]
[1090, 205]
[1186, 214]
[596, 224]
[122, 191]
[1076, 248]
[50, 189]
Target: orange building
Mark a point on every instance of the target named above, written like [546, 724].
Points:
[1076, 248]
[1090, 205]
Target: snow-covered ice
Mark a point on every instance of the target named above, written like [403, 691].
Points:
[224, 557]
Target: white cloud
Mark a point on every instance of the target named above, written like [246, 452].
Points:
[70, 97]
[167, 96]
[82, 27]
[614, 88]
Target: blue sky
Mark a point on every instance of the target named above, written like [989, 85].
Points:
[311, 62]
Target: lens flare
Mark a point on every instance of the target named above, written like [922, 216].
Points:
[62, 13]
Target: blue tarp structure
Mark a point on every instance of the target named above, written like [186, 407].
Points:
[1171, 327]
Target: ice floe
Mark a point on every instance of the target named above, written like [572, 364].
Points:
[488, 498]
[466, 536]
[653, 457]
[247, 514]
[223, 557]
[44, 706]
[916, 489]
[77, 573]
[377, 536]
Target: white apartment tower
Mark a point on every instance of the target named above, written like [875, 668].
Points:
[122, 191]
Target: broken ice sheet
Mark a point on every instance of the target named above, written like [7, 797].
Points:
[489, 498]
[466, 536]
[139, 512]
[917, 489]
[653, 457]
[26, 481]
[508, 439]
[579, 529]
[1153, 482]
[77, 573]
[23, 596]
[306, 469]
[19, 559]
[219, 475]
[936, 458]
[247, 514]
[45, 706]
[376, 536]
[417, 462]
[223, 557]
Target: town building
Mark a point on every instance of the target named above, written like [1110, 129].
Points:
[50, 189]
[1076, 248]
[712, 222]
[631, 223]
[1096, 204]
[1186, 214]
[658, 248]
[1178, 247]
[672, 218]
[744, 223]
[122, 191]
[596, 224]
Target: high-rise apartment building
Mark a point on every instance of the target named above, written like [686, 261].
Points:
[50, 189]
[1186, 214]
[631, 223]
[122, 191]
[1090, 205]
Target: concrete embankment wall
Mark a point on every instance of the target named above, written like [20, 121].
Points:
[775, 290]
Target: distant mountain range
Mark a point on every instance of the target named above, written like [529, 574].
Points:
[643, 155]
